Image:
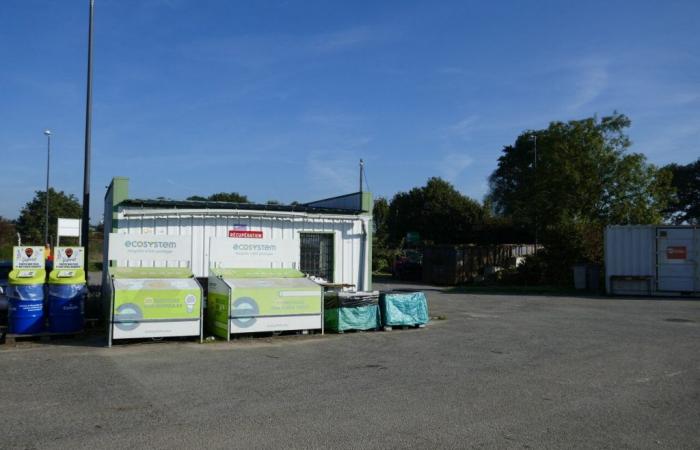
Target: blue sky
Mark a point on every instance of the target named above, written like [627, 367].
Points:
[279, 100]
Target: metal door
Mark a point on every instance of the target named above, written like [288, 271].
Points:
[317, 255]
[677, 259]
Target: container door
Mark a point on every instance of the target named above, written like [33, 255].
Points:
[676, 259]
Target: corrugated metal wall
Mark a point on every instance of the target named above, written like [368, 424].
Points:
[348, 235]
[630, 251]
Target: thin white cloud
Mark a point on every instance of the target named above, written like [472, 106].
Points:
[343, 39]
[331, 119]
[591, 80]
[451, 70]
[453, 164]
[464, 127]
[333, 172]
[260, 50]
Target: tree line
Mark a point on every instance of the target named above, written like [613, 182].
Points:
[559, 186]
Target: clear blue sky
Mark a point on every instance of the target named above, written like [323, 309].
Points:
[278, 100]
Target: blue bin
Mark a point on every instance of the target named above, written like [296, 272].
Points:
[66, 307]
[26, 308]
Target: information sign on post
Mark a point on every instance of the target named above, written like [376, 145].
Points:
[28, 257]
[69, 258]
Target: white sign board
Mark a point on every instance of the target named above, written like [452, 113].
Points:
[253, 253]
[29, 257]
[69, 258]
[69, 227]
[149, 247]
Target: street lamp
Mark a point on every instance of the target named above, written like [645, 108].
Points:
[48, 166]
[533, 138]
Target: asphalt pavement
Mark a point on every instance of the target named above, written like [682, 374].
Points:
[498, 371]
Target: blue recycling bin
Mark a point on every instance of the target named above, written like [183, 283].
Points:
[25, 295]
[66, 300]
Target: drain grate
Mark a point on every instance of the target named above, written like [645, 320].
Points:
[677, 320]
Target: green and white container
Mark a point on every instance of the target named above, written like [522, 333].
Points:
[262, 300]
[154, 303]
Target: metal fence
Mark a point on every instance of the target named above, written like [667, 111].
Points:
[454, 264]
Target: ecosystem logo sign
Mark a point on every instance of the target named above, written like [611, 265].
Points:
[259, 253]
[148, 247]
[28, 257]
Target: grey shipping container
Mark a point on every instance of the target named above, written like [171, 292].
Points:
[652, 260]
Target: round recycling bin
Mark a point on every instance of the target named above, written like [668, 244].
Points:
[25, 314]
[66, 307]
[66, 301]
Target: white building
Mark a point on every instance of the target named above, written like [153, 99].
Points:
[334, 235]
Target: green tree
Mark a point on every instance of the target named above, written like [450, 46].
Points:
[570, 180]
[437, 211]
[380, 213]
[8, 238]
[30, 223]
[685, 204]
[382, 254]
[232, 197]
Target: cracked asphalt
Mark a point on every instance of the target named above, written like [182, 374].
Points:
[500, 371]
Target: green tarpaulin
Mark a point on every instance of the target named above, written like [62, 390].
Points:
[403, 308]
[352, 318]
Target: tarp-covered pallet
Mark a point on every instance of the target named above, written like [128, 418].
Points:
[399, 309]
[344, 311]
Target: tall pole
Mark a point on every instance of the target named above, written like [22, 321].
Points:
[48, 168]
[362, 169]
[85, 223]
[537, 212]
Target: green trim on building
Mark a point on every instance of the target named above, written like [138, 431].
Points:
[120, 192]
[366, 202]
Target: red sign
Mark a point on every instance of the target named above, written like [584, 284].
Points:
[245, 234]
[676, 253]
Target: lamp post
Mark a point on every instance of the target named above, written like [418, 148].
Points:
[85, 225]
[533, 138]
[48, 166]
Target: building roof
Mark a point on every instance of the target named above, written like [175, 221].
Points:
[207, 204]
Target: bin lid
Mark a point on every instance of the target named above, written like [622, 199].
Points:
[67, 276]
[257, 273]
[27, 276]
[150, 272]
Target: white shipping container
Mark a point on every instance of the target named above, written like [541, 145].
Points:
[652, 260]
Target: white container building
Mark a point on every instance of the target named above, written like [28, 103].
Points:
[652, 260]
[334, 236]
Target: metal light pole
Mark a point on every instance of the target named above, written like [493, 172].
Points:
[534, 138]
[48, 167]
[85, 223]
[362, 169]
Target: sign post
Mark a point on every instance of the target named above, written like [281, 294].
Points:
[68, 228]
